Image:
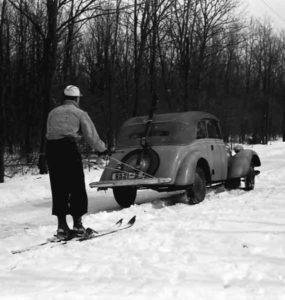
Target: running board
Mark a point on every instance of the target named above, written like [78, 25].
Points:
[129, 182]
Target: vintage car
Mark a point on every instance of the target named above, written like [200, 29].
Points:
[175, 151]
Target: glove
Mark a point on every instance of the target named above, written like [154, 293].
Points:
[104, 154]
[101, 163]
[102, 159]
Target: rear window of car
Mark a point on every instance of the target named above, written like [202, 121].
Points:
[162, 133]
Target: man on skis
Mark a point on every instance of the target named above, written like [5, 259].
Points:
[64, 125]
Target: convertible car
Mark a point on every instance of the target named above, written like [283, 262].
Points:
[175, 151]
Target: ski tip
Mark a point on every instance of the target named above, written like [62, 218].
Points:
[132, 220]
[119, 222]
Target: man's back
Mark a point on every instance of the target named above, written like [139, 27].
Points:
[67, 120]
[64, 121]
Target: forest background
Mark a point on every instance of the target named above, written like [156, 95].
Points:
[191, 55]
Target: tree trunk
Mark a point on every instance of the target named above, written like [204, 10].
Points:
[2, 93]
[67, 62]
[48, 71]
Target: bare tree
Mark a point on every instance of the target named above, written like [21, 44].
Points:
[51, 32]
[140, 44]
[4, 59]
[196, 24]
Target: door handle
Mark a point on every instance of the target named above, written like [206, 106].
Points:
[212, 147]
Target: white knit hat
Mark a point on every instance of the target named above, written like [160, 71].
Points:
[72, 91]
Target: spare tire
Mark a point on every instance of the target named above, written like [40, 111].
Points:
[145, 160]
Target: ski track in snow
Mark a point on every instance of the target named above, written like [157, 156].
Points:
[230, 246]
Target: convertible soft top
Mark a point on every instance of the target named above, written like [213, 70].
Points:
[167, 129]
[187, 117]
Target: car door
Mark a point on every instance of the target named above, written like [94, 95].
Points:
[218, 151]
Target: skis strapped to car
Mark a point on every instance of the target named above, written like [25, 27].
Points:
[90, 234]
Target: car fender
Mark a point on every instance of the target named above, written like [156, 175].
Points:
[240, 163]
[186, 172]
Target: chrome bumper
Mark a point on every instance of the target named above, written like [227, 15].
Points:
[130, 182]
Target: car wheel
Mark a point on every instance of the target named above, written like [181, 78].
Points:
[125, 195]
[197, 192]
[249, 179]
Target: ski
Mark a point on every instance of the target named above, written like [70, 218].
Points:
[93, 235]
[59, 241]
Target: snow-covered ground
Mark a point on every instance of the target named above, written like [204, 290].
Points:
[231, 246]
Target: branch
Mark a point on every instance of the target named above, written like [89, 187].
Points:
[95, 14]
[78, 13]
[28, 15]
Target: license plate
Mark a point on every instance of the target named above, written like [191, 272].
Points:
[122, 176]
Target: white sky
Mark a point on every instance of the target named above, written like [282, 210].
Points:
[274, 10]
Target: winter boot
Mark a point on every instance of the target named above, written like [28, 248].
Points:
[63, 231]
[78, 228]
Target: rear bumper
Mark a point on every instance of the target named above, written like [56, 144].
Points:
[130, 182]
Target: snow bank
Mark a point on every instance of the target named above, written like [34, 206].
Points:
[29, 188]
[231, 246]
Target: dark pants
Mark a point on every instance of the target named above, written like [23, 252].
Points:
[66, 178]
